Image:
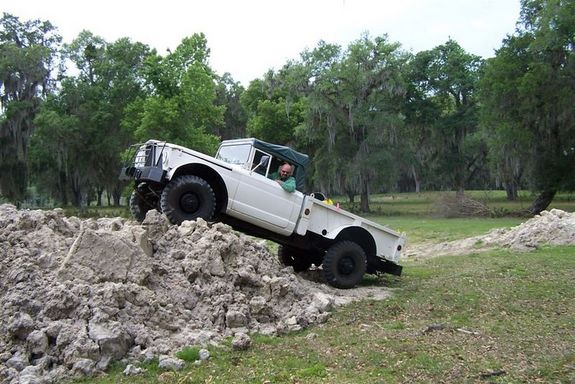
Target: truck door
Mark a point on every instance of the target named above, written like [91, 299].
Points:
[263, 201]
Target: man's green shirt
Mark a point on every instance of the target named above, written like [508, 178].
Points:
[288, 185]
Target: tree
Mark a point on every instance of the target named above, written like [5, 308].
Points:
[180, 108]
[447, 76]
[27, 59]
[55, 150]
[506, 137]
[542, 89]
[121, 78]
[273, 113]
[421, 116]
[354, 111]
[228, 95]
[84, 98]
[77, 147]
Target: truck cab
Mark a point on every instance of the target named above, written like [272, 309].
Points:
[257, 198]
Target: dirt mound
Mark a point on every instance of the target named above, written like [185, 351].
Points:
[555, 227]
[76, 294]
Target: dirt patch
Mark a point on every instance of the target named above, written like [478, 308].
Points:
[76, 294]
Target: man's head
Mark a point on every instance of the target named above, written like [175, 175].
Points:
[285, 171]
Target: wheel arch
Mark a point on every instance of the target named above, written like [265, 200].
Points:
[212, 177]
[360, 236]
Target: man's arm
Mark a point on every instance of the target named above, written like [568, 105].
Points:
[288, 185]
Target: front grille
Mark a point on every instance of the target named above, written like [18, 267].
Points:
[146, 162]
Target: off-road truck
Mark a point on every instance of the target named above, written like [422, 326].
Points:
[234, 187]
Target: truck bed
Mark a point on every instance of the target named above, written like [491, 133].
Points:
[328, 220]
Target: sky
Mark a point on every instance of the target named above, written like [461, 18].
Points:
[247, 38]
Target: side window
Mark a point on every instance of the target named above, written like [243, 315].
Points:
[234, 154]
[268, 167]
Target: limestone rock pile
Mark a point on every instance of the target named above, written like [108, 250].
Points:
[554, 227]
[77, 294]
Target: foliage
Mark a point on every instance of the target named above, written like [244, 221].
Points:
[444, 102]
[76, 149]
[353, 114]
[228, 95]
[273, 112]
[27, 60]
[180, 107]
[529, 93]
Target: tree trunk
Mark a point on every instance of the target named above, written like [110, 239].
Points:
[62, 191]
[542, 202]
[99, 193]
[511, 191]
[415, 179]
[77, 196]
[116, 196]
[351, 197]
[84, 201]
[364, 198]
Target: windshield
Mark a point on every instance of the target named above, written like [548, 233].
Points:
[234, 154]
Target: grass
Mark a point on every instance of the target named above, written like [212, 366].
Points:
[426, 229]
[189, 354]
[496, 317]
[425, 203]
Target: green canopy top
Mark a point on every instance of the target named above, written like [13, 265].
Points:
[300, 160]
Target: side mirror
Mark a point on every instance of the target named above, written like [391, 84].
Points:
[263, 163]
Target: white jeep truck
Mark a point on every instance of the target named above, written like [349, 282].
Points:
[234, 187]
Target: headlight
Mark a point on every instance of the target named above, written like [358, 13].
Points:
[165, 156]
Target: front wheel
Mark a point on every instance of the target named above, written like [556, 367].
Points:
[188, 197]
[344, 264]
[142, 200]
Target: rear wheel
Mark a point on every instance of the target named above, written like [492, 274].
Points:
[188, 197]
[293, 258]
[344, 264]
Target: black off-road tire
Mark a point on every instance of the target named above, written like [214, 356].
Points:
[139, 206]
[188, 197]
[293, 258]
[344, 264]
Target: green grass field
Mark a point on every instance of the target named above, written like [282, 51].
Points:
[496, 317]
[427, 203]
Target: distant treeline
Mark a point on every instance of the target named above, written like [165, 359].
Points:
[372, 116]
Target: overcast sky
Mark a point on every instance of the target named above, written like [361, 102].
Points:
[249, 37]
